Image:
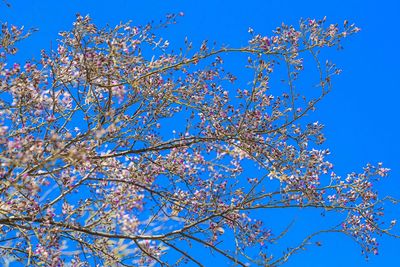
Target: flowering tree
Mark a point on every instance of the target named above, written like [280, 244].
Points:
[116, 151]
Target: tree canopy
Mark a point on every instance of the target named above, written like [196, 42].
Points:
[117, 150]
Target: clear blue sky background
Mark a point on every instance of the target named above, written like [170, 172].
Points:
[361, 114]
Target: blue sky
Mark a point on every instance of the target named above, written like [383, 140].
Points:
[361, 114]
